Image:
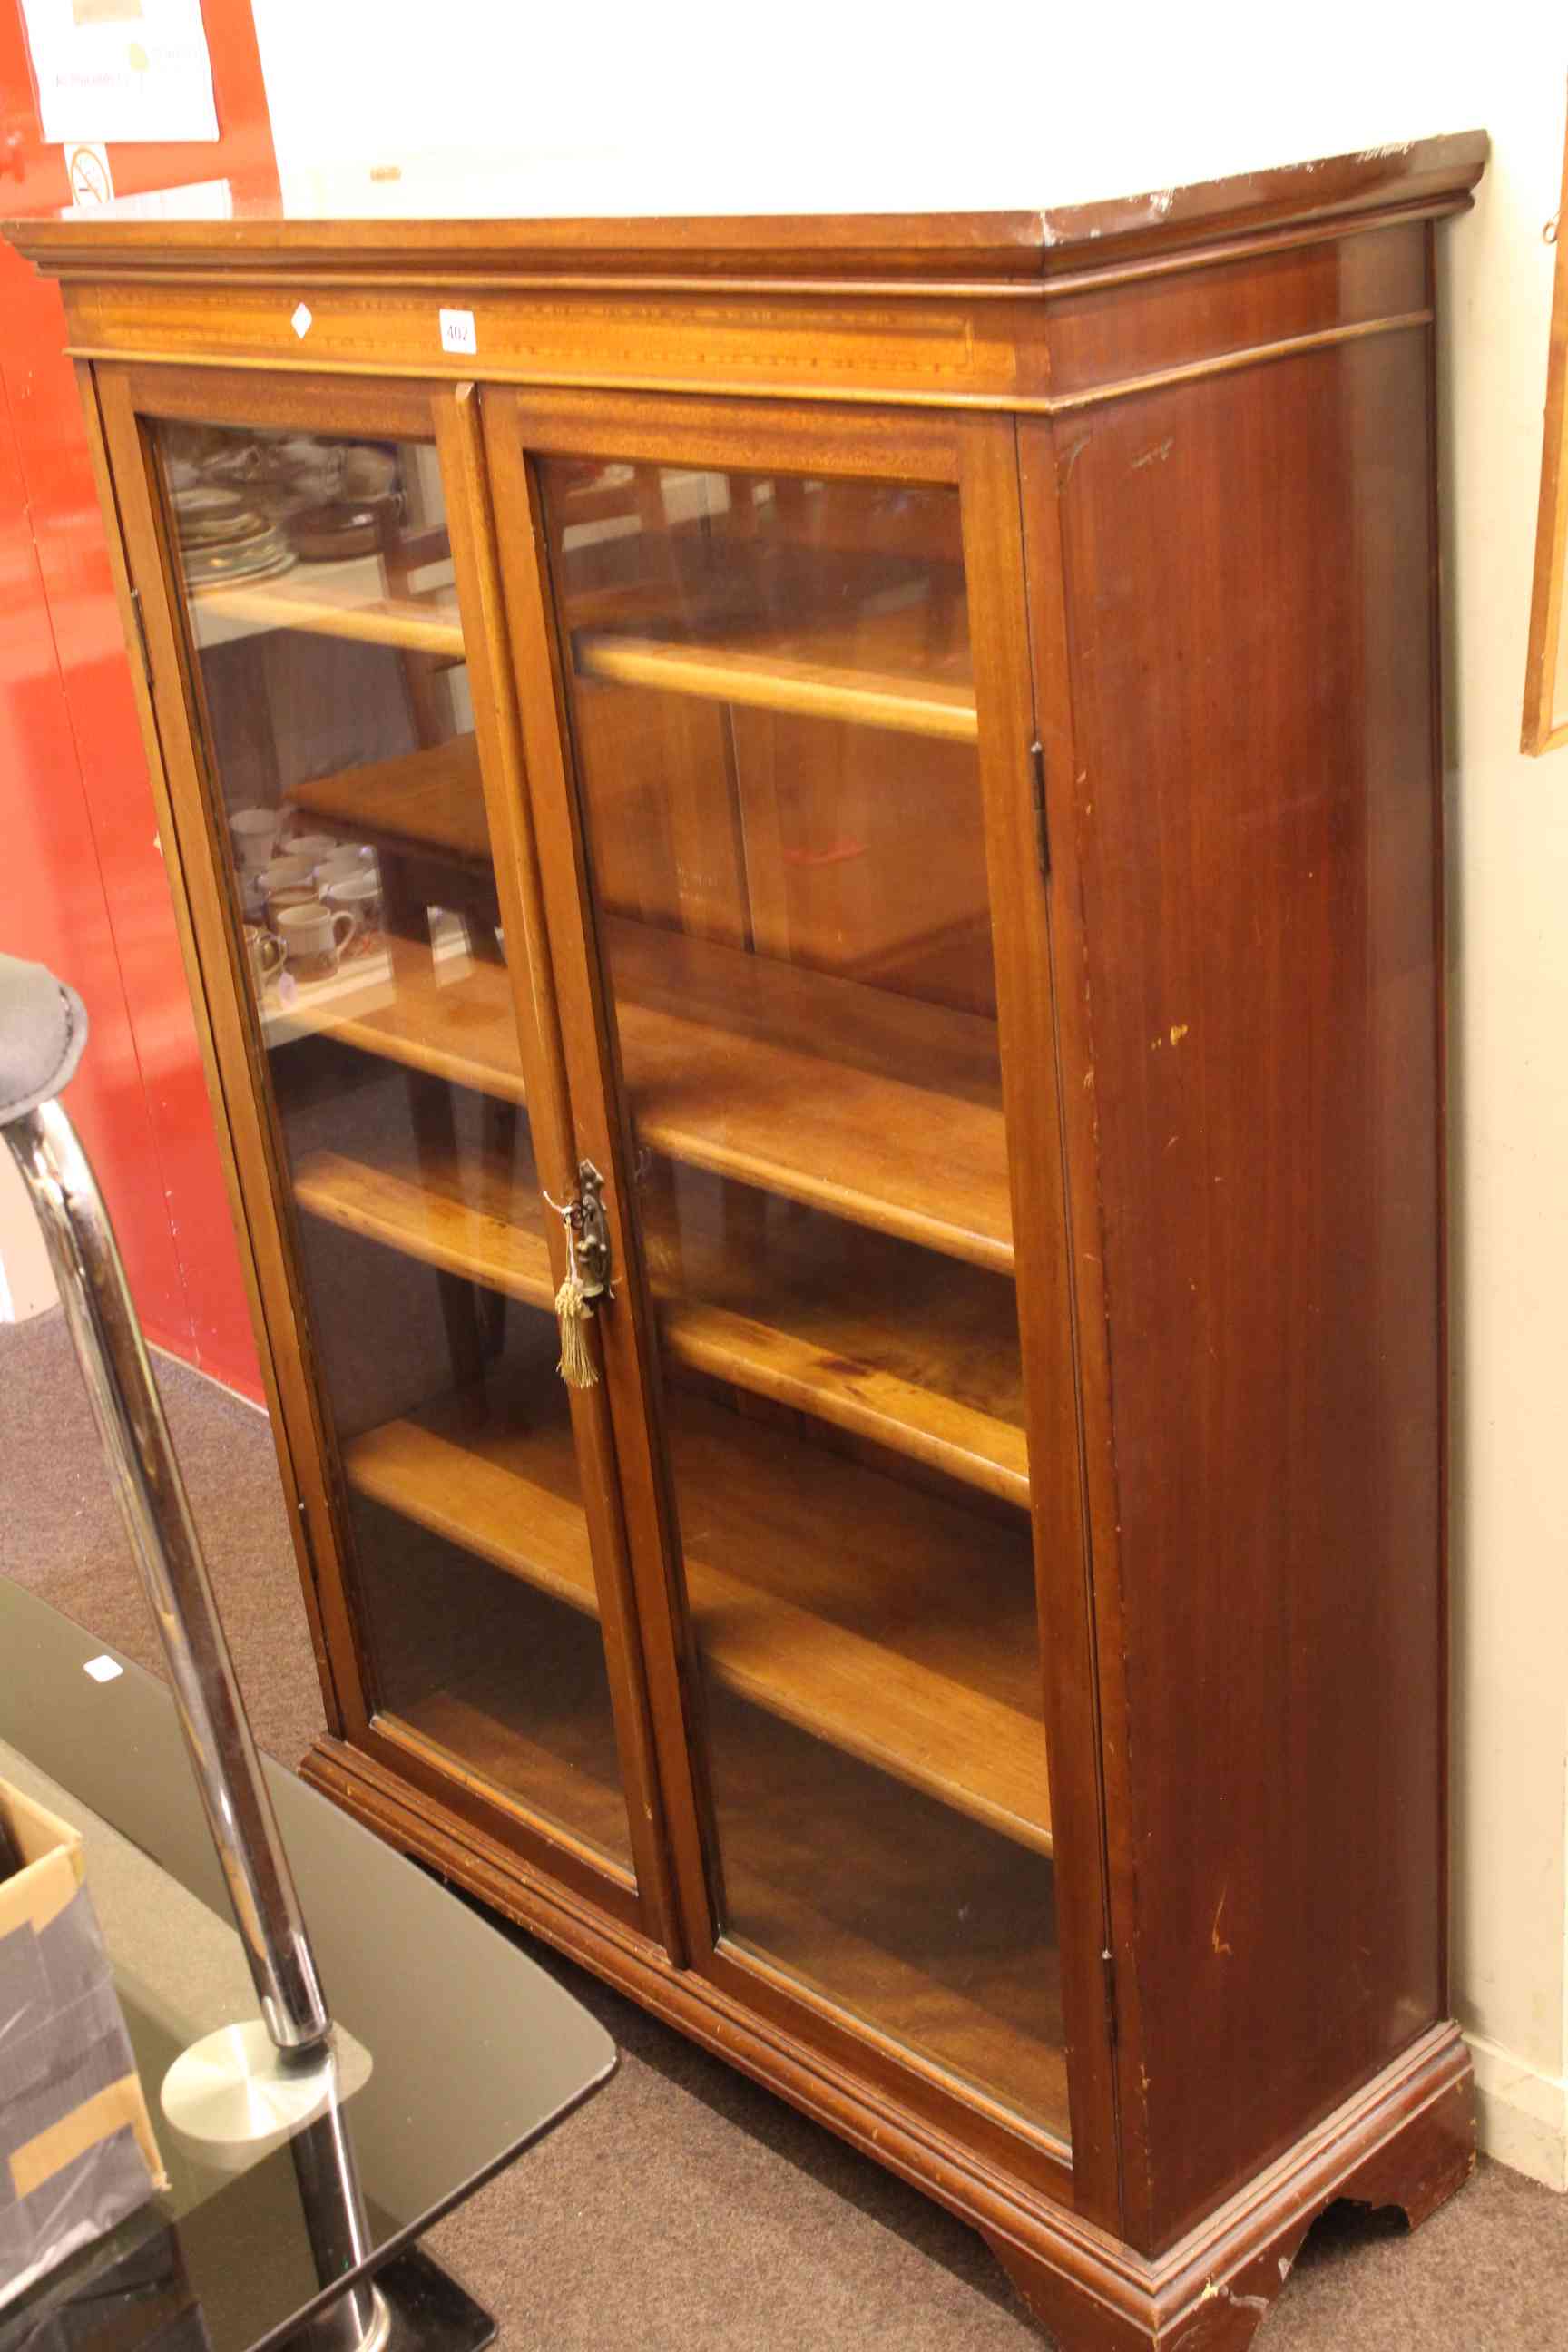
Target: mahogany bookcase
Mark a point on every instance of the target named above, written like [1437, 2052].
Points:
[867, 792]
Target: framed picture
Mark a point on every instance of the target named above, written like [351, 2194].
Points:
[1546, 665]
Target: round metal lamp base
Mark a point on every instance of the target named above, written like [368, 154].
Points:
[421, 2308]
[339, 2329]
[234, 2094]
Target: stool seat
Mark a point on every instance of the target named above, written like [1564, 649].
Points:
[43, 1028]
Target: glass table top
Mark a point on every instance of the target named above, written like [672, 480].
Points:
[457, 2051]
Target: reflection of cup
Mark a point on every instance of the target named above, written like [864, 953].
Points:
[254, 830]
[360, 896]
[312, 846]
[288, 882]
[344, 862]
[314, 937]
[264, 954]
[298, 894]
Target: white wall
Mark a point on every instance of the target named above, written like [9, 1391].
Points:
[699, 108]
[828, 104]
[26, 1285]
[1508, 1070]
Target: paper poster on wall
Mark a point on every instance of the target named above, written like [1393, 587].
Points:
[120, 69]
[86, 169]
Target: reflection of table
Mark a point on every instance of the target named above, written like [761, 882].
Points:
[475, 2053]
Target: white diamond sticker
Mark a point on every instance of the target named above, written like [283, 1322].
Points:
[301, 322]
[103, 1670]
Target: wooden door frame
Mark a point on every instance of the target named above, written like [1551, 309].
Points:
[1024, 917]
[976, 453]
[130, 399]
[1102, 1695]
[1544, 728]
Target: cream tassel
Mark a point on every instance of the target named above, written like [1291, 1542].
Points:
[574, 1309]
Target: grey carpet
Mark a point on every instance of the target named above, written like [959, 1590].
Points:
[684, 2207]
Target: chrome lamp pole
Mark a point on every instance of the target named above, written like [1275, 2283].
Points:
[264, 2079]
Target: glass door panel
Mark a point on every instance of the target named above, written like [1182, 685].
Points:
[774, 731]
[317, 591]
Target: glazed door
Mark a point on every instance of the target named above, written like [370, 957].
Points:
[316, 577]
[781, 752]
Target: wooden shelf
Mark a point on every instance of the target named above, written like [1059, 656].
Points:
[898, 1627]
[450, 1016]
[761, 681]
[910, 1350]
[828, 1869]
[733, 610]
[432, 799]
[463, 1220]
[511, 1686]
[883, 1108]
[332, 600]
[818, 1849]
[880, 1108]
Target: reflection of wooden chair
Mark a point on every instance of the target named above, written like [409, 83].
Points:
[411, 884]
[455, 873]
[402, 554]
[474, 1316]
[424, 815]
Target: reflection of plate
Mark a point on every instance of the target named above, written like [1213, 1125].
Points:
[205, 516]
[224, 537]
[258, 559]
[324, 534]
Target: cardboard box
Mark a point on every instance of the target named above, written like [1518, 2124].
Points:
[77, 2151]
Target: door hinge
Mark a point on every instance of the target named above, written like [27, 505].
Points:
[1042, 843]
[1112, 2025]
[141, 633]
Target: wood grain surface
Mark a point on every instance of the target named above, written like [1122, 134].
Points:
[851, 1634]
[913, 1351]
[898, 1126]
[1250, 833]
[1101, 1170]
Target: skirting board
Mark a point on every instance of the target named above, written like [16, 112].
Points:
[1521, 2115]
[162, 1344]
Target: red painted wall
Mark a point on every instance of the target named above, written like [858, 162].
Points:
[81, 882]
